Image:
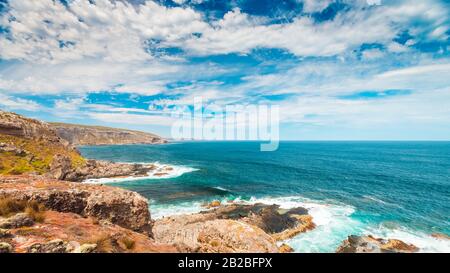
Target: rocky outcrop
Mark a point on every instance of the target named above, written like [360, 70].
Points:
[72, 233]
[5, 247]
[194, 234]
[121, 207]
[98, 135]
[284, 248]
[16, 221]
[19, 126]
[99, 169]
[31, 146]
[280, 223]
[370, 244]
[234, 228]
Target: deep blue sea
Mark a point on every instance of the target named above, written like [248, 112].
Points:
[389, 189]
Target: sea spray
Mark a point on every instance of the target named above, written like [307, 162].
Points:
[162, 171]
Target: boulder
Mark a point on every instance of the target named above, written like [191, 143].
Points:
[4, 233]
[87, 248]
[284, 248]
[16, 221]
[5, 247]
[53, 246]
[60, 167]
[213, 204]
[370, 244]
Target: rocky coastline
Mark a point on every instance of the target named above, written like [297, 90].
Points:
[44, 208]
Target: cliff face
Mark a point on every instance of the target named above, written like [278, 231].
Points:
[30, 146]
[97, 135]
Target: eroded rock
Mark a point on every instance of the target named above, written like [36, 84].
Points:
[370, 244]
[16, 221]
[284, 248]
[282, 223]
[53, 246]
[192, 234]
[5, 247]
[124, 208]
[72, 233]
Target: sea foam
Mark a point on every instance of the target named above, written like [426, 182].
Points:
[335, 222]
[170, 171]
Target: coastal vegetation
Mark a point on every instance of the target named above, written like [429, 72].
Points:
[33, 155]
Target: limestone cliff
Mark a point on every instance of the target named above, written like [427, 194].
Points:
[29, 146]
[98, 135]
[32, 146]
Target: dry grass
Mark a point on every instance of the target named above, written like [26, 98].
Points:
[9, 207]
[30, 231]
[127, 242]
[104, 243]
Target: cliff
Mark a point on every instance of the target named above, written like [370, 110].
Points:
[29, 146]
[98, 135]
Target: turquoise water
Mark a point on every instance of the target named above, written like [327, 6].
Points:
[394, 189]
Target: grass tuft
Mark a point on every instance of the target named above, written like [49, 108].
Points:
[127, 242]
[9, 207]
[103, 242]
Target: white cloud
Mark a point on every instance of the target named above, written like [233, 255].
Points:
[315, 5]
[46, 31]
[372, 54]
[238, 32]
[11, 103]
[116, 31]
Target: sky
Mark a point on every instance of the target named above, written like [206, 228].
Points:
[338, 70]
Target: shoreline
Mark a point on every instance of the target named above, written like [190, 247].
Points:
[161, 171]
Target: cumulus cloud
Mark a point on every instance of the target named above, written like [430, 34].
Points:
[11, 103]
[141, 47]
[48, 31]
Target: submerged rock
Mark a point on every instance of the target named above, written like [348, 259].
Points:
[440, 236]
[213, 204]
[370, 244]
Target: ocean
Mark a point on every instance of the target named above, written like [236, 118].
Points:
[395, 190]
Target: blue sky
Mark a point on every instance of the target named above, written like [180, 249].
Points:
[348, 69]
